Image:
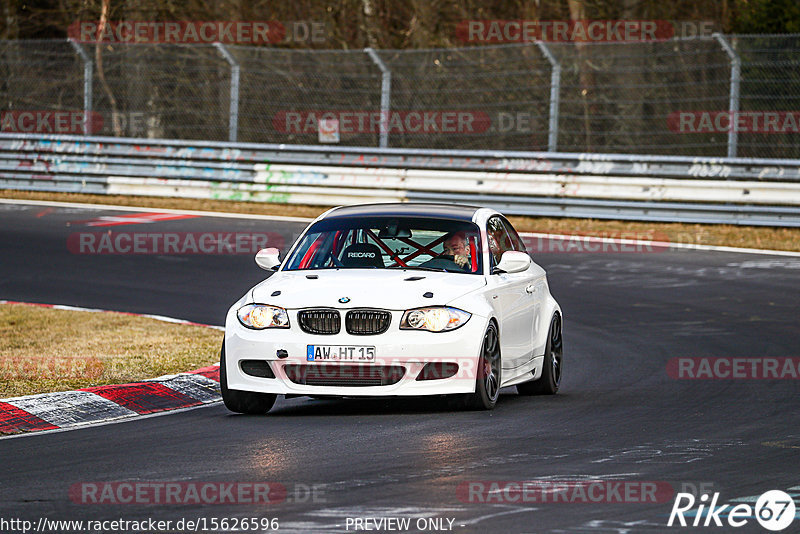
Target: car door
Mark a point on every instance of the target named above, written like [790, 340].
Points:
[513, 297]
[537, 288]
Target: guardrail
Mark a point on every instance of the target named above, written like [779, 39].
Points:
[608, 186]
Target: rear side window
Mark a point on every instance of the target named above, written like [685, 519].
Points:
[516, 240]
[499, 239]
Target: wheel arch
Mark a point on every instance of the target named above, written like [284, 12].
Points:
[551, 309]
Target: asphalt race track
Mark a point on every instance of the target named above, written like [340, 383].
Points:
[620, 416]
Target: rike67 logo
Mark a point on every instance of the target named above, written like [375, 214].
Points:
[774, 510]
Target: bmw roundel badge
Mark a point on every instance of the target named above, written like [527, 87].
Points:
[344, 300]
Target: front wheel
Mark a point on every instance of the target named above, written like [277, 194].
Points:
[487, 380]
[550, 380]
[242, 401]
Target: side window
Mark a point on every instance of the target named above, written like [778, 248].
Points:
[516, 240]
[499, 239]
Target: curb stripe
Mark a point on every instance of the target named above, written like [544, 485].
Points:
[144, 398]
[134, 218]
[211, 372]
[12, 419]
[198, 387]
[117, 207]
[70, 408]
[105, 404]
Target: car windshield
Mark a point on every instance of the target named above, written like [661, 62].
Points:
[389, 243]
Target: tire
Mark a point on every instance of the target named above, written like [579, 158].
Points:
[242, 401]
[487, 380]
[550, 381]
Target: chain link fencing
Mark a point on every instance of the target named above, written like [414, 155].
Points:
[707, 96]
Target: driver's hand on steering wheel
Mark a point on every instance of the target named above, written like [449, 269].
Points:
[456, 247]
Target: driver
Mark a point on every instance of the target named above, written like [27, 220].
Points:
[455, 245]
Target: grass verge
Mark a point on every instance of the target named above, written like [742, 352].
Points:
[44, 350]
[697, 234]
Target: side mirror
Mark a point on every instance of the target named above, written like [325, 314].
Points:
[267, 259]
[512, 261]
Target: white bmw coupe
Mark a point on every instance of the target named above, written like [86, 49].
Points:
[395, 300]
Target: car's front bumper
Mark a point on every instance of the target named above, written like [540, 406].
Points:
[411, 350]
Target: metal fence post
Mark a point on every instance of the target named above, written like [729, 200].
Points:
[87, 86]
[555, 91]
[233, 123]
[386, 89]
[733, 102]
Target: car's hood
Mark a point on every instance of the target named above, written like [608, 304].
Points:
[387, 289]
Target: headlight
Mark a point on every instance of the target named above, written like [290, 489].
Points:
[434, 319]
[260, 316]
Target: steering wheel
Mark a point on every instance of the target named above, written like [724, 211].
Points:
[443, 261]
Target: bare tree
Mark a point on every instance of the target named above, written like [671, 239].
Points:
[577, 11]
[98, 55]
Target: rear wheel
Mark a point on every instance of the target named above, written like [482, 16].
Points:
[242, 401]
[550, 380]
[487, 381]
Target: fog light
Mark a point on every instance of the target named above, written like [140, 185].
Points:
[258, 368]
[437, 371]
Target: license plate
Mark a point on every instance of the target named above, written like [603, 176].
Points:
[340, 353]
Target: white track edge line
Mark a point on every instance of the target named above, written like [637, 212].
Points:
[114, 421]
[230, 215]
[162, 318]
[662, 244]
